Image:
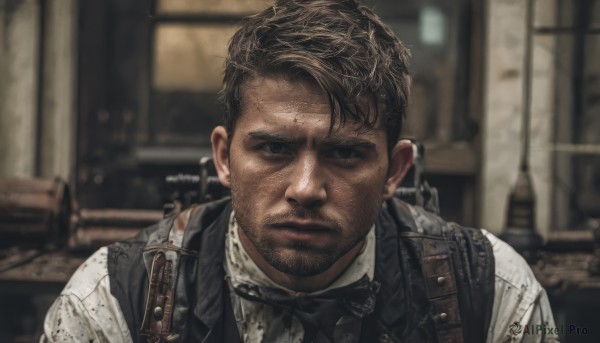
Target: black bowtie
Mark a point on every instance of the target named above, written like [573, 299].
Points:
[332, 316]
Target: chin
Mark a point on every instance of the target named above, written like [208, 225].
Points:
[301, 264]
[299, 259]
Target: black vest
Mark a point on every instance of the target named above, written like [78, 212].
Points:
[437, 279]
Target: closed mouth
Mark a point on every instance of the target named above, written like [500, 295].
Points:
[303, 226]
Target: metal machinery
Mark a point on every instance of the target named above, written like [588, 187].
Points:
[44, 238]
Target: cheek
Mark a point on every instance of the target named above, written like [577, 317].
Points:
[254, 185]
[364, 185]
[358, 193]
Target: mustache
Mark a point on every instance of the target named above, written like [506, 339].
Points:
[301, 213]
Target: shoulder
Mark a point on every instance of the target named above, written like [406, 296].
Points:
[130, 258]
[179, 226]
[416, 219]
[511, 268]
[86, 310]
[517, 292]
[89, 276]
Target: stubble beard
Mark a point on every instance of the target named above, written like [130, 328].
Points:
[297, 258]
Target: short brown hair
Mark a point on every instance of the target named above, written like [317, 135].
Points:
[339, 44]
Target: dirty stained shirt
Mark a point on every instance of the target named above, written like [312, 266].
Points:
[86, 311]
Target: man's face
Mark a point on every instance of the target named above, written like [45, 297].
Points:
[302, 196]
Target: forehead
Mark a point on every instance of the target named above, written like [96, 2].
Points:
[276, 91]
[279, 97]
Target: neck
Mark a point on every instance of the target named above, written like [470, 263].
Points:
[300, 283]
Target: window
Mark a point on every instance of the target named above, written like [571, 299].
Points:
[576, 152]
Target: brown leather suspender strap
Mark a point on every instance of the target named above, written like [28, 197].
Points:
[163, 271]
[440, 285]
[159, 302]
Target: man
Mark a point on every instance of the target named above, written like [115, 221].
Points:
[312, 246]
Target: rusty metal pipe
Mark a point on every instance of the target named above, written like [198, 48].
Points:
[34, 211]
[96, 228]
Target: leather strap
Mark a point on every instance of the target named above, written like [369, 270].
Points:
[159, 302]
[440, 287]
[163, 272]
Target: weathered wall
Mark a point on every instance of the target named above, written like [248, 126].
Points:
[19, 28]
[502, 121]
[58, 102]
[21, 133]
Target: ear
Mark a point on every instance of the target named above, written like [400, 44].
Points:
[401, 160]
[220, 148]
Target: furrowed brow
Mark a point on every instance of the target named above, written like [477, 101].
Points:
[271, 137]
[349, 142]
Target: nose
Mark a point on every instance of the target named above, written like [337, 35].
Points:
[307, 186]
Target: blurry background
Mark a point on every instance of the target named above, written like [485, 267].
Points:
[112, 96]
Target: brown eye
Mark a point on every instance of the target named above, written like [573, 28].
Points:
[344, 153]
[275, 148]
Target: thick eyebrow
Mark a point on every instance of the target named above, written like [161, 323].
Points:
[275, 137]
[349, 142]
[272, 137]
